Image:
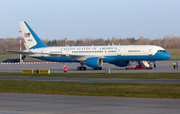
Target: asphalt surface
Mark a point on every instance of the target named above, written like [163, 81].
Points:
[161, 66]
[11, 103]
[101, 80]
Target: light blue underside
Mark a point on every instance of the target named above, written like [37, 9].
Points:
[157, 56]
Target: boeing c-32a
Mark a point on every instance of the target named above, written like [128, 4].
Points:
[92, 56]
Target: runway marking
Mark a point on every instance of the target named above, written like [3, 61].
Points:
[29, 63]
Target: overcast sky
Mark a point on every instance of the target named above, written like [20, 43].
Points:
[75, 19]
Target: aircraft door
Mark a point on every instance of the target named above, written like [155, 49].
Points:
[150, 52]
[42, 55]
[119, 51]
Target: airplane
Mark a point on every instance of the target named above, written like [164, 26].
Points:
[14, 60]
[92, 56]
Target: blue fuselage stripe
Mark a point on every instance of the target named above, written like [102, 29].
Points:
[157, 56]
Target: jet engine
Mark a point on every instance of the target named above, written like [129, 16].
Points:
[94, 62]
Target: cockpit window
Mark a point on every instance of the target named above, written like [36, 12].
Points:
[161, 51]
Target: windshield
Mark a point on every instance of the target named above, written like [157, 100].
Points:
[161, 51]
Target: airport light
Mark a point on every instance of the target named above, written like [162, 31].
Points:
[20, 46]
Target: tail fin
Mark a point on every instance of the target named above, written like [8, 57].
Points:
[30, 37]
[23, 57]
[27, 48]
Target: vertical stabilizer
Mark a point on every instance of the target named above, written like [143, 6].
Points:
[30, 37]
[27, 48]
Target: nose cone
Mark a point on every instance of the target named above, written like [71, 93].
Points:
[162, 56]
[167, 56]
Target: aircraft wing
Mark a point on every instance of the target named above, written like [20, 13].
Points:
[78, 57]
[19, 52]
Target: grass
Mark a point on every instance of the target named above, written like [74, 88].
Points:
[13, 56]
[102, 75]
[94, 89]
[174, 54]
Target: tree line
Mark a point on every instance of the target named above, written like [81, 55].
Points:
[168, 42]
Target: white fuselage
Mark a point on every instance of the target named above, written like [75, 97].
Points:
[116, 50]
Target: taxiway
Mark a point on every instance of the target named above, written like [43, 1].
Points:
[11, 103]
[161, 66]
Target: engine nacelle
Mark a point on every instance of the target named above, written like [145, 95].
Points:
[94, 62]
[121, 63]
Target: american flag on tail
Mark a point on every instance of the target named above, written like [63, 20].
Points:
[26, 34]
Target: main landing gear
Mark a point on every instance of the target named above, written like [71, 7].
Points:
[82, 67]
[97, 68]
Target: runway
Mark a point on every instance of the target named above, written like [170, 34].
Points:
[63, 104]
[162, 66]
[101, 80]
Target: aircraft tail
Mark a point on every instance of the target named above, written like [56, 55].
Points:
[30, 37]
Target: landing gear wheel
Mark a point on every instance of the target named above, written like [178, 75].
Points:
[81, 68]
[84, 68]
[100, 68]
[150, 68]
[97, 68]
